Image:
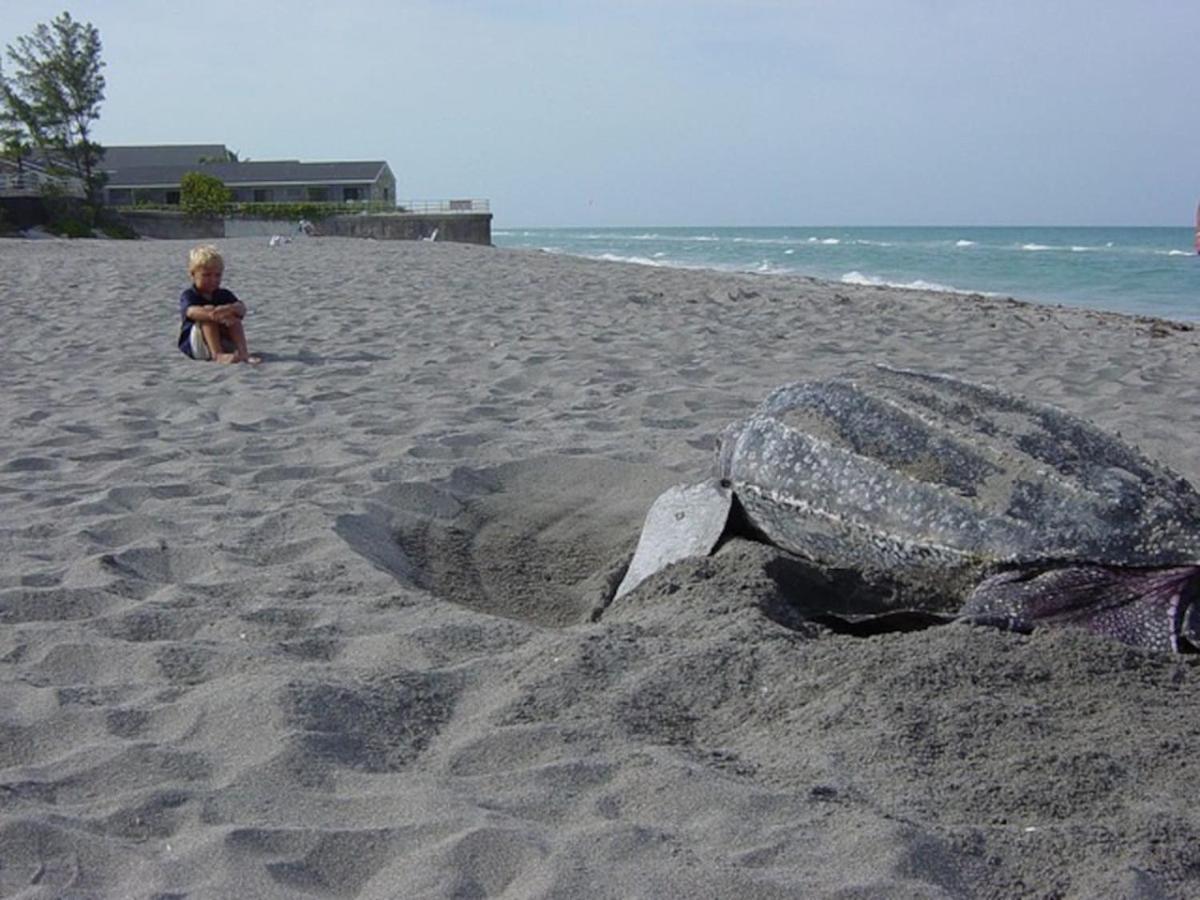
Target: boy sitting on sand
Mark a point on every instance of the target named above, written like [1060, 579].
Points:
[212, 316]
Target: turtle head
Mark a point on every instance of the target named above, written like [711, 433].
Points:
[1189, 625]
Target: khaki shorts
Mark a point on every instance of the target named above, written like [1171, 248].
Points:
[199, 345]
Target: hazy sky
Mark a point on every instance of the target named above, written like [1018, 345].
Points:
[685, 112]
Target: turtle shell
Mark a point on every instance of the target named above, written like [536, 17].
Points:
[931, 483]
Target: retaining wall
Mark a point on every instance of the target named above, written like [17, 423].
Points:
[462, 228]
[459, 228]
[23, 212]
[172, 225]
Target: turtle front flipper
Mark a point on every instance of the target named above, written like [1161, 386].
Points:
[1154, 608]
[685, 520]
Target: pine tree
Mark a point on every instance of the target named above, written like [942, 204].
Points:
[55, 93]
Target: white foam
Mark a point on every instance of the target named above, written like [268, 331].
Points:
[760, 240]
[676, 238]
[1035, 247]
[640, 260]
[766, 268]
[917, 285]
[609, 236]
[964, 243]
[652, 236]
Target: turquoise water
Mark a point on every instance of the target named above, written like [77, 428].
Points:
[1143, 271]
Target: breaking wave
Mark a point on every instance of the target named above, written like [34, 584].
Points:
[916, 285]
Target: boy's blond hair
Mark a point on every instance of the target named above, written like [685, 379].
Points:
[204, 257]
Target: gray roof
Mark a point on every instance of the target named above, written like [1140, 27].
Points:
[160, 155]
[245, 174]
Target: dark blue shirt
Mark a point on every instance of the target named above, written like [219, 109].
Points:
[191, 297]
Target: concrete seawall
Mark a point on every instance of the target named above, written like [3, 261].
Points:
[459, 228]
[462, 228]
[172, 226]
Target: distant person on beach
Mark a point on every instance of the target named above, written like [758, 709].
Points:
[212, 316]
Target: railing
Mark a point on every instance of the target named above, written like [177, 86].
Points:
[33, 184]
[444, 206]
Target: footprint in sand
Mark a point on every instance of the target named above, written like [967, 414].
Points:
[381, 724]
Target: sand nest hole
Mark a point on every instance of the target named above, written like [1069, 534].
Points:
[543, 541]
[546, 541]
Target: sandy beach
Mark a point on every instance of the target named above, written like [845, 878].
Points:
[335, 626]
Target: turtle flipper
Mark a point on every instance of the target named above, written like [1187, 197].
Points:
[685, 520]
[1153, 608]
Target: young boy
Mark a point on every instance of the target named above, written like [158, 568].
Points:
[212, 316]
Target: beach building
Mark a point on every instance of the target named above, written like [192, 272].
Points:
[361, 195]
[152, 174]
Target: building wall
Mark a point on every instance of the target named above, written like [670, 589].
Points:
[384, 190]
[133, 196]
[311, 193]
[381, 191]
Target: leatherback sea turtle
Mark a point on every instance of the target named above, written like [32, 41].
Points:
[953, 499]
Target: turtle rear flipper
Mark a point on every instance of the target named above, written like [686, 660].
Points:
[1153, 608]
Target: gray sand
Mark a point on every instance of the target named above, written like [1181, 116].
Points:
[334, 626]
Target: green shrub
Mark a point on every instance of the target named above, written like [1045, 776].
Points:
[111, 224]
[120, 232]
[67, 216]
[69, 227]
[310, 210]
[203, 195]
[285, 211]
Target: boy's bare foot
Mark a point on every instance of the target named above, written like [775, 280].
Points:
[227, 358]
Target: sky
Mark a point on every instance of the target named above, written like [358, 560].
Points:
[684, 112]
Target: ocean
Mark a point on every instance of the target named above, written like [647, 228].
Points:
[1140, 271]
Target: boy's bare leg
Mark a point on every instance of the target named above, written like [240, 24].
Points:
[238, 333]
[212, 337]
